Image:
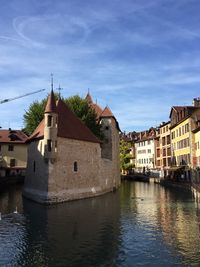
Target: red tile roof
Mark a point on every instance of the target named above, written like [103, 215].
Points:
[97, 109]
[51, 103]
[94, 106]
[179, 108]
[107, 112]
[39, 132]
[69, 126]
[13, 136]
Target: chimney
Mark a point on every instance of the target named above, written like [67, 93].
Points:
[196, 102]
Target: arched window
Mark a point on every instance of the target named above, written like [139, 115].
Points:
[75, 166]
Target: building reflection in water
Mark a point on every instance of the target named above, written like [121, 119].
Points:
[171, 212]
[78, 233]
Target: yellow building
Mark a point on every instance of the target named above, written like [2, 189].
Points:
[163, 149]
[13, 152]
[183, 122]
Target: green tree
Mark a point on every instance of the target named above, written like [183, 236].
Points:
[34, 115]
[125, 156]
[88, 116]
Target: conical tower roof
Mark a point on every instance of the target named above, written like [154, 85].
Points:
[94, 106]
[51, 103]
[107, 112]
[88, 98]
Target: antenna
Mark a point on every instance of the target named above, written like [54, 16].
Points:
[52, 81]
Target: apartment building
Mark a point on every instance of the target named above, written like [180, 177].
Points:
[184, 121]
[145, 150]
[196, 158]
[163, 149]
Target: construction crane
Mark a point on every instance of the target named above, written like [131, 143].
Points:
[10, 99]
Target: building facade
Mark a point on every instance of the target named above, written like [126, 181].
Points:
[66, 161]
[196, 158]
[13, 152]
[163, 149]
[184, 121]
[145, 150]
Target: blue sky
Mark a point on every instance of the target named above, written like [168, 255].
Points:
[140, 57]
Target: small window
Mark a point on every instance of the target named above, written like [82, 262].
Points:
[34, 166]
[75, 166]
[107, 128]
[12, 163]
[10, 148]
[49, 121]
[49, 145]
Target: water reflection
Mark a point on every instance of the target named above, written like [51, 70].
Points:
[140, 225]
[79, 233]
[166, 224]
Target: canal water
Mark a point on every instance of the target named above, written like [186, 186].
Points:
[142, 224]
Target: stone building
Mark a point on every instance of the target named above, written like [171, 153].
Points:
[66, 161]
[13, 152]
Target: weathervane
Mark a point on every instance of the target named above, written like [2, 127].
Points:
[59, 89]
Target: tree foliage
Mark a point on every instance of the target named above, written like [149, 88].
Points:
[34, 115]
[125, 155]
[88, 116]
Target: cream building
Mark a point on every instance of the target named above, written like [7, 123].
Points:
[66, 161]
[145, 150]
[13, 152]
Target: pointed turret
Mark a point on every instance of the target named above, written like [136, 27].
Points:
[88, 98]
[94, 106]
[51, 103]
[50, 128]
[107, 112]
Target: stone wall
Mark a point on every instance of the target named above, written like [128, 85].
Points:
[77, 171]
[110, 165]
[36, 180]
[115, 153]
[64, 182]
